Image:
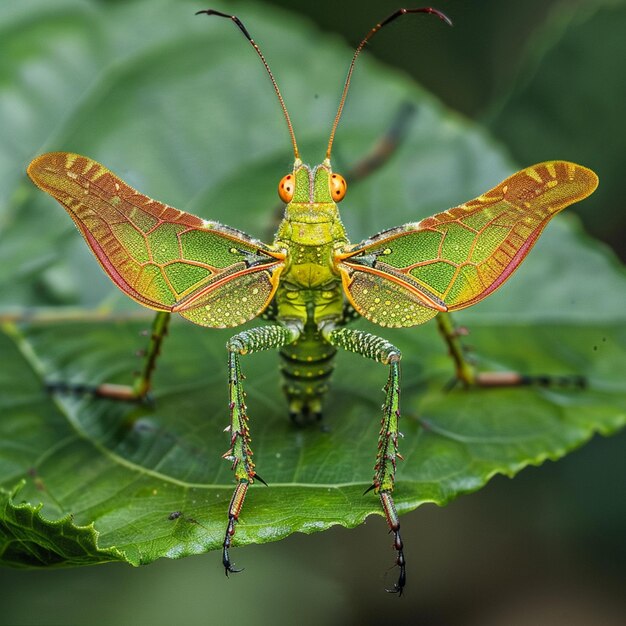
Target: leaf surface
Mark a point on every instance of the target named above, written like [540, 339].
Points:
[172, 113]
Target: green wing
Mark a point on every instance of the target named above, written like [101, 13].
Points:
[403, 276]
[161, 257]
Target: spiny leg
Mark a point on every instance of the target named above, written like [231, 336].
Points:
[140, 388]
[382, 351]
[240, 453]
[464, 370]
[466, 373]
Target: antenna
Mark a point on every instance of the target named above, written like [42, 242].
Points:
[388, 20]
[244, 30]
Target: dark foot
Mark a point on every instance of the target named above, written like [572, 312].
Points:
[120, 393]
[400, 562]
[229, 567]
[514, 379]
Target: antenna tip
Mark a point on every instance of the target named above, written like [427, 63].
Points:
[213, 12]
[447, 20]
[442, 16]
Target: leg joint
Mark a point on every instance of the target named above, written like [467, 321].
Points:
[363, 343]
[263, 338]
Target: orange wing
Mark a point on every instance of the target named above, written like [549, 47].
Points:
[161, 257]
[403, 276]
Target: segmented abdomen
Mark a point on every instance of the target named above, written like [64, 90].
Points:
[306, 366]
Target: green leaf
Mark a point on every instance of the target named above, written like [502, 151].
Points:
[127, 469]
[30, 540]
[185, 113]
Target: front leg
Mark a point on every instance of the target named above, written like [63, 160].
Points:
[382, 351]
[240, 453]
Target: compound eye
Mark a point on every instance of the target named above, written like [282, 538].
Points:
[338, 187]
[286, 188]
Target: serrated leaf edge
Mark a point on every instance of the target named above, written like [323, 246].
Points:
[113, 552]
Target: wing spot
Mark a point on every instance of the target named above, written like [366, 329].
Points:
[531, 172]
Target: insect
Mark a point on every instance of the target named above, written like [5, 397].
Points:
[310, 282]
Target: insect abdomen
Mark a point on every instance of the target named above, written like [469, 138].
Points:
[306, 366]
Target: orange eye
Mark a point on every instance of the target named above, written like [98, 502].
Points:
[338, 187]
[286, 188]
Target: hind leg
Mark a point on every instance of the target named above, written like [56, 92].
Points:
[139, 390]
[466, 374]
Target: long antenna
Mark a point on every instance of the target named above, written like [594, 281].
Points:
[244, 30]
[391, 18]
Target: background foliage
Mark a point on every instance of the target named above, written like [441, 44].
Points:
[84, 70]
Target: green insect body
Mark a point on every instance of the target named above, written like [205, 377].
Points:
[310, 282]
[309, 291]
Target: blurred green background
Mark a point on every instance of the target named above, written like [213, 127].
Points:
[547, 547]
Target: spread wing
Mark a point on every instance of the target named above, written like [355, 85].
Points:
[161, 257]
[405, 275]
